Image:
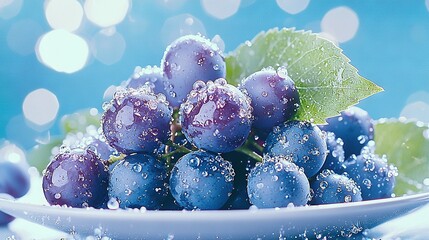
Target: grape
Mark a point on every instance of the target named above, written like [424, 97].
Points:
[354, 126]
[277, 183]
[335, 158]
[274, 97]
[153, 76]
[188, 59]
[14, 180]
[329, 187]
[138, 181]
[300, 142]
[137, 121]
[201, 180]
[216, 117]
[242, 165]
[76, 178]
[373, 175]
[14, 183]
[92, 139]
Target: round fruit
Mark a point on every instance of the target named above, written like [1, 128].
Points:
[274, 97]
[14, 180]
[299, 142]
[374, 176]
[152, 76]
[354, 126]
[137, 120]
[139, 181]
[329, 187]
[76, 178]
[216, 116]
[277, 183]
[335, 158]
[201, 180]
[188, 59]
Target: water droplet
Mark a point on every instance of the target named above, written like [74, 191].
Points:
[113, 204]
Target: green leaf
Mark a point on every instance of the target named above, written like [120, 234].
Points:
[406, 145]
[40, 155]
[78, 121]
[326, 82]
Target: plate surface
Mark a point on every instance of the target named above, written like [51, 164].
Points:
[333, 219]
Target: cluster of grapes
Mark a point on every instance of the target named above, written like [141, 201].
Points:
[186, 139]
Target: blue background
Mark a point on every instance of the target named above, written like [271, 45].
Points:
[390, 48]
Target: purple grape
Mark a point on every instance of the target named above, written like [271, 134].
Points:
[137, 120]
[274, 97]
[188, 59]
[14, 183]
[277, 182]
[14, 180]
[76, 178]
[329, 187]
[354, 126]
[374, 176]
[301, 143]
[153, 76]
[216, 117]
[139, 180]
[201, 180]
[92, 139]
[335, 157]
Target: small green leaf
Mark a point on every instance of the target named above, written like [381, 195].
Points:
[78, 121]
[326, 82]
[406, 145]
[40, 155]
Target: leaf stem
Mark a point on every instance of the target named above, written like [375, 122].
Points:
[248, 152]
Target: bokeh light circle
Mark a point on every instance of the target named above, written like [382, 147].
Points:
[108, 46]
[293, 6]
[64, 14]
[106, 13]
[221, 9]
[180, 25]
[62, 51]
[40, 106]
[341, 22]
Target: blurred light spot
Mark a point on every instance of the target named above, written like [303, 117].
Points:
[108, 46]
[64, 14]
[341, 23]
[219, 42]
[181, 25]
[40, 106]
[10, 8]
[293, 6]
[106, 13]
[427, 4]
[12, 153]
[417, 110]
[93, 111]
[62, 51]
[221, 9]
[328, 37]
[419, 96]
[23, 35]
[171, 4]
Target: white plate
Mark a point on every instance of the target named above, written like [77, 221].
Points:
[333, 219]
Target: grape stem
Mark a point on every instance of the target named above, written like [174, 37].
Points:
[177, 149]
[114, 158]
[248, 152]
